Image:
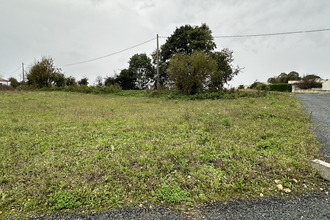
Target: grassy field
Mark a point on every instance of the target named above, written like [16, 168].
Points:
[95, 152]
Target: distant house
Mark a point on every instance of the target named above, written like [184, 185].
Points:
[4, 82]
[326, 85]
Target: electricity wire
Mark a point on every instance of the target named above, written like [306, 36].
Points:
[108, 55]
[12, 72]
[272, 34]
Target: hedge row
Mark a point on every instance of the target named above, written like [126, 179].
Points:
[281, 87]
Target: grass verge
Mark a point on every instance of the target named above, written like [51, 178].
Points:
[64, 151]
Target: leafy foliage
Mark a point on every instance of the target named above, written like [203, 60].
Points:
[139, 74]
[281, 87]
[83, 81]
[109, 81]
[284, 78]
[70, 81]
[64, 200]
[190, 72]
[13, 82]
[199, 71]
[187, 39]
[225, 69]
[126, 79]
[310, 81]
[172, 194]
[59, 79]
[141, 68]
[43, 73]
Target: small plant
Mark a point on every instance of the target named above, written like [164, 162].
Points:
[64, 200]
[173, 194]
[226, 122]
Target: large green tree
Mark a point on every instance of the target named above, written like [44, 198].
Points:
[83, 81]
[200, 71]
[42, 73]
[284, 78]
[13, 82]
[185, 39]
[126, 80]
[140, 66]
[225, 69]
[139, 74]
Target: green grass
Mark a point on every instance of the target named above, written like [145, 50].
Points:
[64, 151]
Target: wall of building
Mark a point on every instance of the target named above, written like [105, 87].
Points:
[326, 85]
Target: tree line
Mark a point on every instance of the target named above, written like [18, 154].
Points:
[187, 61]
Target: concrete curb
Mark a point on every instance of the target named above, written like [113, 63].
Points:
[322, 167]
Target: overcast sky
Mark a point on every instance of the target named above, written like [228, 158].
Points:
[71, 31]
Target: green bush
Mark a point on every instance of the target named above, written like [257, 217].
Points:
[281, 87]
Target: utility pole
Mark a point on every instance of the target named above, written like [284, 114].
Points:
[158, 77]
[23, 71]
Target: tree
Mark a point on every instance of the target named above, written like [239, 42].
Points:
[13, 82]
[284, 78]
[293, 75]
[99, 81]
[225, 69]
[200, 71]
[272, 80]
[255, 84]
[140, 67]
[310, 81]
[187, 39]
[58, 79]
[83, 82]
[70, 81]
[311, 76]
[109, 81]
[126, 79]
[42, 73]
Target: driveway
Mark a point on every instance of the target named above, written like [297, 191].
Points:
[318, 106]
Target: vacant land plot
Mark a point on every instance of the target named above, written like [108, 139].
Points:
[66, 150]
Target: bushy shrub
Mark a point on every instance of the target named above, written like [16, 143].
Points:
[13, 82]
[281, 87]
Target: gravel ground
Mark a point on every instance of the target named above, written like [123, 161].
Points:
[312, 207]
[318, 106]
[316, 206]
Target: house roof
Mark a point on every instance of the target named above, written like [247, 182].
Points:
[3, 80]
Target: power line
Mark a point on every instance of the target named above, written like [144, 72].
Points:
[271, 34]
[108, 55]
[12, 71]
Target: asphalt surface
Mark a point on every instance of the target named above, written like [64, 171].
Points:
[316, 206]
[318, 106]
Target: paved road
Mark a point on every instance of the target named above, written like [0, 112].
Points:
[315, 206]
[318, 105]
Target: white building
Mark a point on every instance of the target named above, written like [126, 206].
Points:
[326, 85]
[4, 82]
